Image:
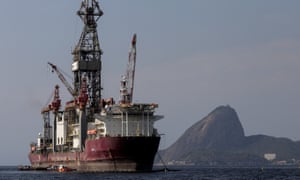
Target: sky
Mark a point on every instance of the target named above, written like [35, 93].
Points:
[192, 56]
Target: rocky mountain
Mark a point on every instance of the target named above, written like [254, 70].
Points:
[219, 137]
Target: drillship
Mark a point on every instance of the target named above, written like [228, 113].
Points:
[92, 133]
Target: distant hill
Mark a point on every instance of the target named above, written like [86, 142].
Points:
[219, 139]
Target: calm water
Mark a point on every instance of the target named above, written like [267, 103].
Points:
[184, 173]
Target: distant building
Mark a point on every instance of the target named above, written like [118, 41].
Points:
[181, 163]
[270, 156]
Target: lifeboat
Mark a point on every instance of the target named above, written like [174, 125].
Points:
[62, 168]
[92, 132]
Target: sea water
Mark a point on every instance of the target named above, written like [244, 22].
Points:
[182, 173]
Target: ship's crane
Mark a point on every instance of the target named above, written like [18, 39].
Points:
[54, 106]
[127, 82]
[56, 103]
[63, 79]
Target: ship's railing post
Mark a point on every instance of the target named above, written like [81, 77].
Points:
[143, 124]
[126, 123]
[148, 124]
[122, 124]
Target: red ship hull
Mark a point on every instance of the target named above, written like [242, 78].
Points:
[121, 154]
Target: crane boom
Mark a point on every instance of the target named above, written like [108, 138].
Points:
[131, 66]
[127, 82]
[63, 79]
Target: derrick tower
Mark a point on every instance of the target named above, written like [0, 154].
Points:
[87, 57]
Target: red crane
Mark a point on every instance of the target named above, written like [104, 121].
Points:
[56, 103]
[82, 98]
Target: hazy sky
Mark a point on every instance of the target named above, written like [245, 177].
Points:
[193, 56]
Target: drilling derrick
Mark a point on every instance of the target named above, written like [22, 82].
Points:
[86, 67]
[87, 57]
